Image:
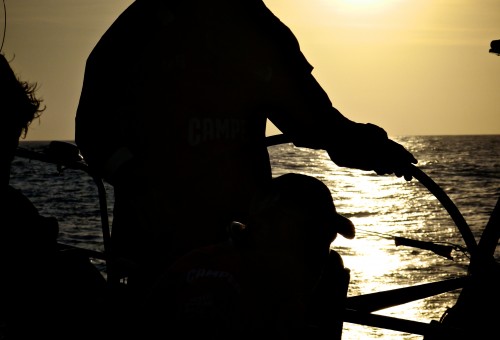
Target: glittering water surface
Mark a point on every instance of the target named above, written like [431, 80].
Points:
[467, 168]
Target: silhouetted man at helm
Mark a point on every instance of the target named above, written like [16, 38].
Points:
[173, 113]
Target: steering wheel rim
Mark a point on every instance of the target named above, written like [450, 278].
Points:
[433, 188]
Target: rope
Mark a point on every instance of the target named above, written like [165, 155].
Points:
[4, 24]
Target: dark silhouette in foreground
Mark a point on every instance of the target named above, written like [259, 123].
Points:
[275, 278]
[44, 292]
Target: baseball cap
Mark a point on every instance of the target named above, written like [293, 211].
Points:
[308, 195]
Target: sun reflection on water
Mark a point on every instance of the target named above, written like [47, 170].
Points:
[381, 208]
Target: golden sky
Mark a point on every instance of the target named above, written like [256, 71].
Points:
[413, 67]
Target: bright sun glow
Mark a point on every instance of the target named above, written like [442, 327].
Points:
[361, 6]
[361, 2]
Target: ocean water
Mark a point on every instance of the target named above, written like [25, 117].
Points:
[467, 168]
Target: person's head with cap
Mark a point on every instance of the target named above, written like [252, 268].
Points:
[292, 226]
[311, 197]
[308, 202]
